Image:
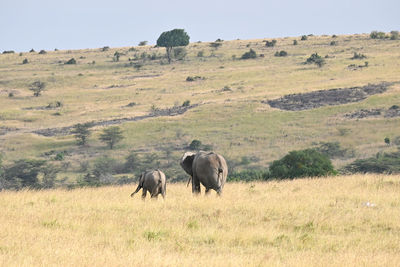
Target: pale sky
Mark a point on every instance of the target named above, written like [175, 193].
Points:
[73, 24]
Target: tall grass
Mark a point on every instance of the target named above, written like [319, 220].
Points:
[333, 221]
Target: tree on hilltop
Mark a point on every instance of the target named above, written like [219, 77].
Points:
[170, 39]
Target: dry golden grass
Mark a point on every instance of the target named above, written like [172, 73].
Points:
[307, 222]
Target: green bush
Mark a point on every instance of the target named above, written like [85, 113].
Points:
[71, 61]
[281, 54]
[295, 42]
[25, 61]
[394, 35]
[358, 56]
[315, 59]
[332, 150]
[382, 163]
[303, 163]
[304, 37]
[250, 54]
[377, 35]
[270, 44]
[195, 145]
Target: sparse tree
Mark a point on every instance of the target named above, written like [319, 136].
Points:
[171, 39]
[81, 132]
[142, 43]
[111, 136]
[37, 87]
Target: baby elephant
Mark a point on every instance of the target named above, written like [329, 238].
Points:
[152, 181]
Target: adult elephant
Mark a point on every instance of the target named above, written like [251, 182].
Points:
[152, 181]
[208, 168]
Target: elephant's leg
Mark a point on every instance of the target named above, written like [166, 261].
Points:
[219, 191]
[195, 185]
[144, 193]
[164, 190]
[155, 192]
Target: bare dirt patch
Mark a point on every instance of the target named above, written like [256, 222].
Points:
[320, 98]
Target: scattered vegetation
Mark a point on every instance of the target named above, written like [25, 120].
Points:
[142, 43]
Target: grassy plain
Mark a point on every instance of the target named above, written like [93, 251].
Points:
[333, 221]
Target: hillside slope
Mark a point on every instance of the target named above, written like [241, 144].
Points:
[228, 101]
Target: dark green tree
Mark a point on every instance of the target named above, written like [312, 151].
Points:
[171, 39]
[303, 163]
[81, 131]
[111, 136]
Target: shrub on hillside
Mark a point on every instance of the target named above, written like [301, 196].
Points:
[42, 52]
[315, 59]
[382, 163]
[25, 61]
[377, 35]
[303, 163]
[295, 42]
[358, 56]
[394, 35]
[270, 43]
[179, 53]
[8, 52]
[250, 54]
[333, 150]
[281, 54]
[304, 37]
[71, 61]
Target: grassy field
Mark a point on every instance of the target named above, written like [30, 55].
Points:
[235, 122]
[333, 221]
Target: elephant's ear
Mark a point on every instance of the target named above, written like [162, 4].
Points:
[187, 162]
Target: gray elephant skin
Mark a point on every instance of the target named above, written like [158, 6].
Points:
[152, 181]
[206, 168]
